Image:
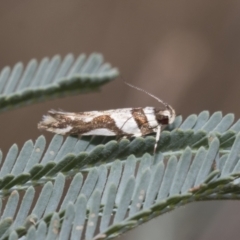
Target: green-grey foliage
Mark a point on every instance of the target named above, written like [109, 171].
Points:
[52, 78]
[98, 187]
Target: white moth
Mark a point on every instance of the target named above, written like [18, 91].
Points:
[125, 122]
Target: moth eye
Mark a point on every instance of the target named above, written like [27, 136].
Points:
[162, 119]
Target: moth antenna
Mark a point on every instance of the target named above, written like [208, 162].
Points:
[142, 90]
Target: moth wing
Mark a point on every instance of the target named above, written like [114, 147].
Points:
[122, 122]
[81, 116]
[111, 122]
[108, 123]
[125, 121]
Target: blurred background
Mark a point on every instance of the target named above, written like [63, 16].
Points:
[185, 52]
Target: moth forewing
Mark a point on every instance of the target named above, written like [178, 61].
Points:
[126, 122]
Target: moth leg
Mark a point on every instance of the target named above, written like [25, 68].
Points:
[157, 139]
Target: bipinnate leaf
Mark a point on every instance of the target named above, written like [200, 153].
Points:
[51, 78]
[100, 187]
[127, 195]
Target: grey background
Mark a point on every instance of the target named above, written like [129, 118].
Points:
[186, 52]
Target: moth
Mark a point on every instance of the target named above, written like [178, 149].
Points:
[125, 122]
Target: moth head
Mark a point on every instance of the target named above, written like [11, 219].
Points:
[165, 116]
